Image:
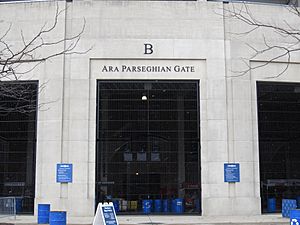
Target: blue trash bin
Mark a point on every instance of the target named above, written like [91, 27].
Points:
[177, 205]
[166, 205]
[58, 218]
[173, 205]
[19, 204]
[43, 213]
[157, 205]
[271, 205]
[295, 217]
[197, 203]
[287, 206]
[147, 206]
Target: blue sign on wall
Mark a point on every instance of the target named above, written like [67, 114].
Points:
[109, 215]
[231, 172]
[64, 173]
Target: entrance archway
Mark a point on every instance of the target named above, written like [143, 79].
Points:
[148, 145]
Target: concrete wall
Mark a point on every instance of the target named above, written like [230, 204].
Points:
[187, 32]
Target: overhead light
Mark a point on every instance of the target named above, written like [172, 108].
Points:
[144, 98]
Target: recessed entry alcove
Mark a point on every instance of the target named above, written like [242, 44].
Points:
[147, 146]
[278, 106]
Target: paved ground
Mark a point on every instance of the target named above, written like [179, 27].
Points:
[272, 219]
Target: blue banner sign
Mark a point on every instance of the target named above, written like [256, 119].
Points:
[231, 172]
[109, 215]
[64, 173]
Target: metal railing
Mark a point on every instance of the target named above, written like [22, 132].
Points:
[8, 207]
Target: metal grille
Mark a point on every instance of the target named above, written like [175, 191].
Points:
[148, 142]
[279, 141]
[18, 104]
[7, 207]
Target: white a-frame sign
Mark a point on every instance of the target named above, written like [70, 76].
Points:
[105, 215]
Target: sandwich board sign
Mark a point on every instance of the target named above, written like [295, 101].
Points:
[105, 215]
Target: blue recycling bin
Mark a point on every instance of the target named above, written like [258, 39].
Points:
[271, 205]
[166, 205]
[295, 217]
[287, 206]
[177, 205]
[173, 204]
[157, 205]
[43, 213]
[19, 201]
[197, 203]
[147, 206]
[58, 218]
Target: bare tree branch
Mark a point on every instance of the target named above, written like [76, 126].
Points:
[278, 51]
[33, 51]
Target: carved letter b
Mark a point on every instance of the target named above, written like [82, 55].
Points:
[148, 49]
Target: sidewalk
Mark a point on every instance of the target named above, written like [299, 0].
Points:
[271, 219]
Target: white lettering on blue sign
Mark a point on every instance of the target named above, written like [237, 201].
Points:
[231, 172]
[64, 173]
[294, 222]
[105, 215]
